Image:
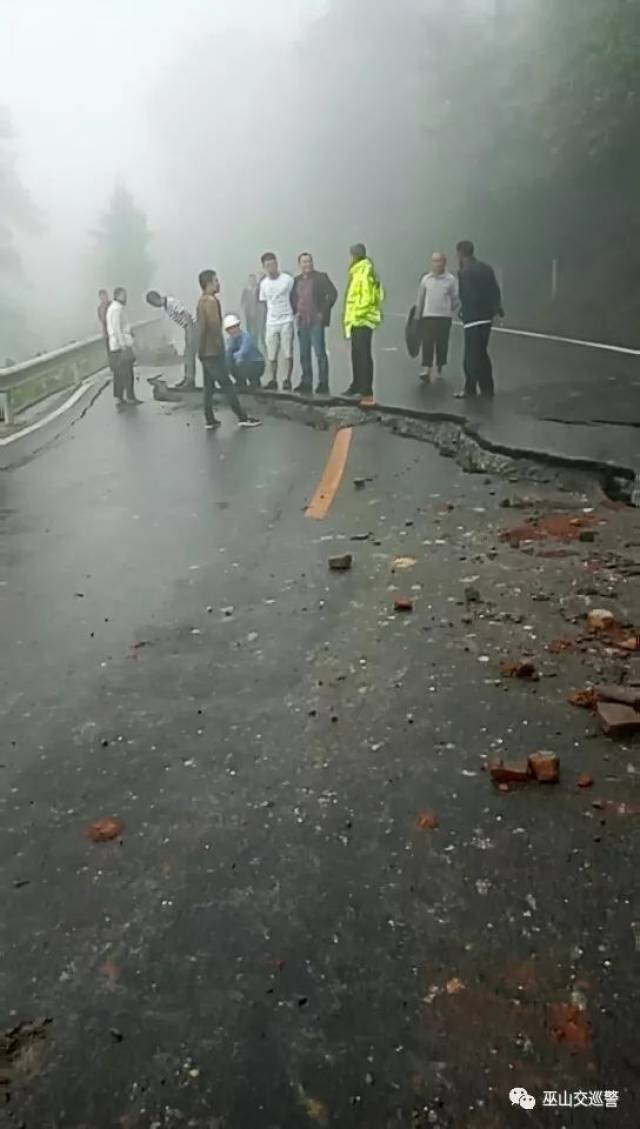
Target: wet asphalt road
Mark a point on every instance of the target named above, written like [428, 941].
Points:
[272, 943]
[551, 397]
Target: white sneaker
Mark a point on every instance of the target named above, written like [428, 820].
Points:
[250, 422]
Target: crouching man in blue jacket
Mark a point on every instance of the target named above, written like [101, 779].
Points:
[244, 360]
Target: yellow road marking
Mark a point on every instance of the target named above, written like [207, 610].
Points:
[331, 476]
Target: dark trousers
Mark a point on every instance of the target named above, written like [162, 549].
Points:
[435, 334]
[247, 374]
[122, 366]
[362, 359]
[478, 370]
[313, 337]
[214, 369]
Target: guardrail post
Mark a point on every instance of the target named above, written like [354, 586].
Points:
[7, 409]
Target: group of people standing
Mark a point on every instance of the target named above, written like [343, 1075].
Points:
[277, 307]
[475, 295]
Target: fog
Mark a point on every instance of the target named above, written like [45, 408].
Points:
[239, 126]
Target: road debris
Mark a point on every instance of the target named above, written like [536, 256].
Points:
[453, 986]
[427, 821]
[542, 767]
[569, 1024]
[403, 562]
[135, 648]
[626, 695]
[558, 526]
[584, 780]
[341, 563]
[524, 668]
[618, 720]
[403, 604]
[104, 830]
[600, 619]
[545, 767]
[21, 1049]
[513, 772]
[560, 645]
[586, 699]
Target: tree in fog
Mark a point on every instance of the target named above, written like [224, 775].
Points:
[122, 241]
[18, 217]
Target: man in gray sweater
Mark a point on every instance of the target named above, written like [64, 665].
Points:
[436, 306]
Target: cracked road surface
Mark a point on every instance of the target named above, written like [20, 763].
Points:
[279, 936]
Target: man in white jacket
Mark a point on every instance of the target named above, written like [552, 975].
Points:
[436, 306]
[121, 348]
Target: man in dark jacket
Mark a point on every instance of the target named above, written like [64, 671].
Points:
[312, 298]
[480, 303]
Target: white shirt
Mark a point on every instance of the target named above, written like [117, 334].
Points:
[118, 328]
[276, 292]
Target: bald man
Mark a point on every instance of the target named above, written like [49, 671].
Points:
[436, 306]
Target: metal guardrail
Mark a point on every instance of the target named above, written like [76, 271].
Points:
[23, 385]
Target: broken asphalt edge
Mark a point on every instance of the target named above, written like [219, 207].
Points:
[26, 444]
[18, 449]
[470, 428]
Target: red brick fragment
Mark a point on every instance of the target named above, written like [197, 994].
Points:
[403, 604]
[584, 699]
[103, 830]
[426, 821]
[569, 1024]
[618, 720]
[525, 669]
[557, 646]
[545, 767]
[585, 780]
[600, 619]
[513, 772]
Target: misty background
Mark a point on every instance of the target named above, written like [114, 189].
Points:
[141, 144]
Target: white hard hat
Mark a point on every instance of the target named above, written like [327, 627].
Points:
[231, 321]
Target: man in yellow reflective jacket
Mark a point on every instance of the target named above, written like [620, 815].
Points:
[362, 313]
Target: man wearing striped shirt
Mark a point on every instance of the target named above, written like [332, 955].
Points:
[182, 317]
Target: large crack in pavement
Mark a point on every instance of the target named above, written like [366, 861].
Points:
[453, 436]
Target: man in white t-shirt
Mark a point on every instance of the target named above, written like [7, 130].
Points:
[275, 291]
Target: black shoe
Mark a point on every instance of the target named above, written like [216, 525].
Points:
[464, 395]
[350, 393]
[287, 386]
[134, 401]
[303, 389]
[272, 386]
[322, 390]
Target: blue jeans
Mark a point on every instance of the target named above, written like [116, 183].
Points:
[313, 337]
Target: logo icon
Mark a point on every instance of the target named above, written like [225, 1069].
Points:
[519, 1096]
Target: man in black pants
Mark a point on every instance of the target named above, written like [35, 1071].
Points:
[212, 353]
[436, 304]
[362, 313]
[481, 302]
